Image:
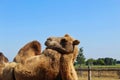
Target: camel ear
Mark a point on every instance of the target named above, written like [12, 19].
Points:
[66, 35]
[76, 42]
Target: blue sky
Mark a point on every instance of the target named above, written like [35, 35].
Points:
[96, 23]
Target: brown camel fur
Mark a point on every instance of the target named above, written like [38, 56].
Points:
[8, 71]
[30, 49]
[3, 61]
[67, 70]
[50, 64]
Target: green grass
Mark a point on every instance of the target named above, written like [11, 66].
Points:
[107, 66]
[104, 75]
[99, 66]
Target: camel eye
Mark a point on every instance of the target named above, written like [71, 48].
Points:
[63, 42]
[49, 39]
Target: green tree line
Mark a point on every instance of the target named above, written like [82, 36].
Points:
[100, 61]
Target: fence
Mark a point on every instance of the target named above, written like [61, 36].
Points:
[99, 72]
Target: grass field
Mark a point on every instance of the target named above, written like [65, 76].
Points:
[95, 78]
[103, 75]
[100, 66]
[99, 75]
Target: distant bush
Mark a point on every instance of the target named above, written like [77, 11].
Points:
[118, 62]
[101, 61]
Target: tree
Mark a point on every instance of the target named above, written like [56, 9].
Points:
[118, 61]
[90, 61]
[80, 58]
[100, 61]
[114, 62]
[110, 61]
